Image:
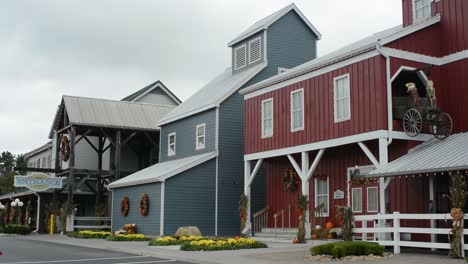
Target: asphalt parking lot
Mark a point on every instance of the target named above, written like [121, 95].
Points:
[20, 251]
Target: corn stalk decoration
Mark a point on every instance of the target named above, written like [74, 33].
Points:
[457, 196]
[302, 205]
[243, 212]
[345, 213]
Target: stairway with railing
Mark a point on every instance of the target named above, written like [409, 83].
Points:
[260, 220]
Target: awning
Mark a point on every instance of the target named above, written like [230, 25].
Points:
[162, 171]
[450, 154]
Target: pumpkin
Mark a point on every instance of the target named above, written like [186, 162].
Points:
[295, 241]
[314, 236]
[330, 236]
[329, 225]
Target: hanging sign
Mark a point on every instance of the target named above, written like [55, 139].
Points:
[38, 182]
[338, 195]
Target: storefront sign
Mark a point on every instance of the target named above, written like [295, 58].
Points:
[38, 182]
[338, 195]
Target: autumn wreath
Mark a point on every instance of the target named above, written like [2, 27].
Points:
[290, 180]
[124, 206]
[64, 148]
[144, 204]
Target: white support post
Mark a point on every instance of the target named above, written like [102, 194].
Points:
[431, 198]
[364, 234]
[305, 191]
[396, 233]
[247, 171]
[383, 158]
[369, 154]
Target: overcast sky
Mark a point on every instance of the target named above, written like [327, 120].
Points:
[109, 49]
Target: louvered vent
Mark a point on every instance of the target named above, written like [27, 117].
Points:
[254, 50]
[240, 57]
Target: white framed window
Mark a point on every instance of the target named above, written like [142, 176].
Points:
[372, 199]
[255, 50]
[341, 96]
[297, 110]
[281, 70]
[421, 9]
[357, 200]
[240, 57]
[267, 118]
[322, 195]
[200, 136]
[171, 144]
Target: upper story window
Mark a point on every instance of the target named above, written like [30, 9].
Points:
[322, 195]
[267, 118]
[171, 144]
[255, 46]
[357, 200]
[240, 57]
[422, 9]
[200, 136]
[297, 110]
[44, 160]
[342, 102]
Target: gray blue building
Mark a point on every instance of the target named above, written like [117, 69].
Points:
[199, 178]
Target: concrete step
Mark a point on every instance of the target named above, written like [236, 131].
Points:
[278, 235]
[280, 230]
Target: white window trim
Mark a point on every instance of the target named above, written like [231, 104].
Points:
[414, 11]
[197, 147]
[282, 69]
[272, 118]
[344, 76]
[291, 110]
[367, 199]
[328, 195]
[235, 57]
[169, 153]
[352, 199]
[259, 39]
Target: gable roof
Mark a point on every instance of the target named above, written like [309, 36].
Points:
[109, 113]
[38, 150]
[142, 92]
[432, 156]
[359, 47]
[213, 93]
[269, 20]
[161, 171]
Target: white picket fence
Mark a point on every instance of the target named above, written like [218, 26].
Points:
[88, 222]
[382, 232]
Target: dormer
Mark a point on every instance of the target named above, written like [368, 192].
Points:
[286, 38]
[416, 10]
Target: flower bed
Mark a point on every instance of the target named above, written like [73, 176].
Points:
[229, 244]
[86, 234]
[16, 229]
[129, 237]
[348, 248]
[170, 241]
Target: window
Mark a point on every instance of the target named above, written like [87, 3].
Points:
[267, 118]
[281, 70]
[357, 200]
[341, 98]
[49, 161]
[422, 9]
[297, 110]
[240, 57]
[372, 199]
[255, 50]
[44, 164]
[200, 136]
[322, 195]
[171, 144]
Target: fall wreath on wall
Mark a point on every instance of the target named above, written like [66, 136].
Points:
[144, 204]
[290, 180]
[65, 148]
[124, 206]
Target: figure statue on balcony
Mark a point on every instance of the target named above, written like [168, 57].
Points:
[430, 93]
[413, 91]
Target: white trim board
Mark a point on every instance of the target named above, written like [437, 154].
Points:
[160, 85]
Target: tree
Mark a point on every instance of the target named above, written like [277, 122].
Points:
[21, 164]
[7, 162]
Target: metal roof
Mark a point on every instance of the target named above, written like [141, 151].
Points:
[269, 20]
[115, 114]
[359, 47]
[38, 150]
[213, 93]
[157, 84]
[432, 156]
[161, 171]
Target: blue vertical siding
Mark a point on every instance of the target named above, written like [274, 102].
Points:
[148, 225]
[185, 135]
[190, 199]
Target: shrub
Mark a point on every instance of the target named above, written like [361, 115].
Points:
[229, 244]
[129, 237]
[86, 234]
[17, 229]
[348, 248]
[170, 240]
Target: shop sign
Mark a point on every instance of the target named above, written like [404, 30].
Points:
[38, 182]
[338, 195]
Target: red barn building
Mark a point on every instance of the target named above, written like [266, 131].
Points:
[318, 122]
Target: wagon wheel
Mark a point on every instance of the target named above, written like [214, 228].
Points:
[412, 122]
[442, 126]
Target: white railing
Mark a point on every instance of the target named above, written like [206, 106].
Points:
[260, 220]
[89, 222]
[281, 213]
[380, 230]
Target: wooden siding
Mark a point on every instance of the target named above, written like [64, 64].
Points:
[148, 225]
[368, 108]
[426, 41]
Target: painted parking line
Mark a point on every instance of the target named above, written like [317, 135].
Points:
[151, 261]
[77, 260]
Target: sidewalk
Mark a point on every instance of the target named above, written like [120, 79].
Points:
[276, 253]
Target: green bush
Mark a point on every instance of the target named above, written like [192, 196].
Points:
[17, 229]
[163, 243]
[348, 248]
[129, 237]
[89, 234]
[216, 245]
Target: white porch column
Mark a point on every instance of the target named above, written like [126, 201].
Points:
[247, 172]
[431, 198]
[383, 160]
[305, 191]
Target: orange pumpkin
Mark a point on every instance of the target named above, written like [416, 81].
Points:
[330, 236]
[329, 225]
[295, 241]
[314, 236]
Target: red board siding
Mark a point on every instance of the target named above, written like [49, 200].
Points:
[426, 41]
[368, 108]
